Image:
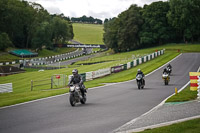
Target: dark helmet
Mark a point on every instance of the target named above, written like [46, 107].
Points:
[165, 70]
[75, 71]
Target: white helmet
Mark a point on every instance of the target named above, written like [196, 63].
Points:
[75, 71]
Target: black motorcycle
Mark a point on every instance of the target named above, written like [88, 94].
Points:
[140, 81]
[169, 70]
[76, 95]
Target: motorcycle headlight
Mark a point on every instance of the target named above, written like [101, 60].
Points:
[72, 88]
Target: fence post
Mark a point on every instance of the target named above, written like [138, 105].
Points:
[31, 85]
[51, 82]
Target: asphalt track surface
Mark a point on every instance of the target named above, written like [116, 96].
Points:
[107, 108]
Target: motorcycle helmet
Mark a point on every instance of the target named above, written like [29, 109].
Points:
[139, 70]
[75, 71]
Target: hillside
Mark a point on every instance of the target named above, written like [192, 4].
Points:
[88, 33]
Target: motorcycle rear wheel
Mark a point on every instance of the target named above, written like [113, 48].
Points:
[166, 82]
[83, 100]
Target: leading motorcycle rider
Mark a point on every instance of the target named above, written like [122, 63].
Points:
[77, 79]
[140, 72]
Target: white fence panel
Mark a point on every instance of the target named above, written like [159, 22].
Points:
[152, 55]
[88, 76]
[101, 73]
[149, 57]
[6, 88]
[135, 63]
[140, 60]
[128, 65]
[145, 59]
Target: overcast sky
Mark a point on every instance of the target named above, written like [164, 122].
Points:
[96, 8]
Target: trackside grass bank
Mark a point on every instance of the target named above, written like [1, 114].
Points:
[21, 82]
[191, 126]
[184, 95]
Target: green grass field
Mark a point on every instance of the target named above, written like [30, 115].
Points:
[191, 126]
[88, 33]
[22, 82]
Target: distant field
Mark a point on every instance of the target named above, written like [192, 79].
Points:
[88, 33]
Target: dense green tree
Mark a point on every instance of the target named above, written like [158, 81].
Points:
[130, 23]
[110, 34]
[85, 19]
[29, 25]
[42, 36]
[122, 33]
[184, 16]
[4, 41]
[155, 29]
[61, 30]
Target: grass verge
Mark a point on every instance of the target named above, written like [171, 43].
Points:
[191, 126]
[185, 95]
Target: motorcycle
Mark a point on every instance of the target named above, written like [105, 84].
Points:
[76, 95]
[140, 81]
[166, 78]
[169, 70]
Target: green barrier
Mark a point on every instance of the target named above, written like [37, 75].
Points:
[142, 59]
[125, 66]
[83, 75]
[131, 63]
[137, 62]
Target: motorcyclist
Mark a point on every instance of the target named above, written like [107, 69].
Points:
[77, 79]
[140, 72]
[165, 71]
[169, 66]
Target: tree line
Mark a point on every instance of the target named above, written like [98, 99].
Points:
[28, 25]
[85, 19]
[173, 21]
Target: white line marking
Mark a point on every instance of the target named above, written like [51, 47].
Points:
[89, 88]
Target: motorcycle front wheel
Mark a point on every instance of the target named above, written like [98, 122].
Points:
[72, 100]
[139, 85]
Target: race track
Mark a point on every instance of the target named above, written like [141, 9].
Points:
[107, 108]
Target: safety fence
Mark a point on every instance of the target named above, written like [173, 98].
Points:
[5, 88]
[115, 69]
[56, 81]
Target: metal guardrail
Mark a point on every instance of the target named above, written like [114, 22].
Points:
[41, 84]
